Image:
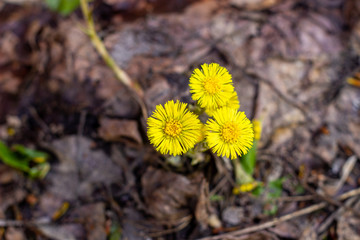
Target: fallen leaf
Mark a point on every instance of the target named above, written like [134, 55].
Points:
[93, 217]
[168, 195]
[348, 225]
[204, 213]
[159, 93]
[10, 196]
[14, 234]
[286, 230]
[256, 5]
[309, 233]
[233, 215]
[332, 186]
[80, 168]
[56, 232]
[115, 130]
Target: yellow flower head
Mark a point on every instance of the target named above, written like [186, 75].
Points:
[230, 134]
[233, 102]
[257, 129]
[246, 187]
[172, 129]
[211, 86]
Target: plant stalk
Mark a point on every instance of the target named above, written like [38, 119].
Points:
[120, 74]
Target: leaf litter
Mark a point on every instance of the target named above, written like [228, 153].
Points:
[289, 59]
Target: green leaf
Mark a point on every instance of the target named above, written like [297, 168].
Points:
[272, 211]
[12, 160]
[275, 188]
[248, 160]
[53, 4]
[299, 189]
[115, 232]
[64, 7]
[241, 176]
[34, 155]
[39, 171]
[216, 198]
[20, 160]
[68, 6]
[258, 191]
[175, 161]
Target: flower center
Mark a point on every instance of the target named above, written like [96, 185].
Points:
[173, 128]
[230, 132]
[211, 85]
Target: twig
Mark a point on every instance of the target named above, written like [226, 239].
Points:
[335, 214]
[19, 223]
[348, 194]
[284, 218]
[98, 44]
[184, 222]
[223, 181]
[120, 74]
[296, 198]
[38, 120]
[270, 223]
[82, 121]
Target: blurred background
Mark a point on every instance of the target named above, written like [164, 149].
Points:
[75, 162]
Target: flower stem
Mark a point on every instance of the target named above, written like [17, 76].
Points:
[120, 74]
[241, 176]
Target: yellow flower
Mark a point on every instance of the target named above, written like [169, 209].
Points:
[173, 129]
[211, 86]
[202, 133]
[230, 133]
[246, 187]
[233, 102]
[257, 129]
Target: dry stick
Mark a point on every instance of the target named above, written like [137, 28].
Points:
[287, 217]
[38, 120]
[355, 192]
[296, 198]
[19, 223]
[120, 74]
[185, 221]
[332, 217]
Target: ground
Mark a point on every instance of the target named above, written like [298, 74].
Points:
[295, 66]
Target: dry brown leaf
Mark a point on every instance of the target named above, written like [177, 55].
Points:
[14, 234]
[233, 215]
[159, 93]
[332, 186]
[204, 213]
[93, 217]
[348, 225]
[11, 196]
[81, 168]
[56, 232]
[168, 195]
[8, 175]
[115, 130]
[287, 230]
[256, 5]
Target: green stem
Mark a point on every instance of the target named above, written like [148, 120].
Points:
[120, 74]
[241, 176]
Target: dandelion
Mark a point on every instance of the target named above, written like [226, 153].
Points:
[211, 86]
[233, 102]
[230, 133]
[172, 129]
